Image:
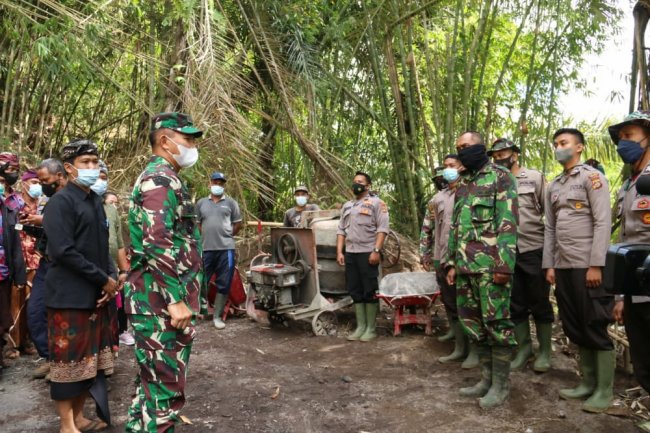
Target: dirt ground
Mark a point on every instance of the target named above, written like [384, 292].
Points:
[326, 384]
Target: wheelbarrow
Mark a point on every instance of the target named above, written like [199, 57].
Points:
[236, 295]
[403, 291]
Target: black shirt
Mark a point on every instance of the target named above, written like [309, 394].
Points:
[77, 244]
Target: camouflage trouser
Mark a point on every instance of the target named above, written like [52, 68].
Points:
[162, 353]
[484, 309]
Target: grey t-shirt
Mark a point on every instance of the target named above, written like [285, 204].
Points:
[292, 216]
[216, 221]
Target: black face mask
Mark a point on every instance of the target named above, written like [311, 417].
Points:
[473, 157]
[505, 162]
[10, 178]
[50, 188]
[358, 188]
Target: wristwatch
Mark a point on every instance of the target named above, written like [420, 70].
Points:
[124, 272]
[375, 250]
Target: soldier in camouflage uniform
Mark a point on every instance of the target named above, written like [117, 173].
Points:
[162, 292]
[481, 260]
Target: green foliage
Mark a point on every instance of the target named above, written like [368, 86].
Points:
[300, 91]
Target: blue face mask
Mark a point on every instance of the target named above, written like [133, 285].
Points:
[100, 187]
[35, 190]
[87, 176]
[629, 151]
[450, 174]
[2, 189]
[217, 190]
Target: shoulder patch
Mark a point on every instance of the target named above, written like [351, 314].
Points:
[161, 181]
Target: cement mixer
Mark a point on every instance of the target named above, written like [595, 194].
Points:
[299, 279]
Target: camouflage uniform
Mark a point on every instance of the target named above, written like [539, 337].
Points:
[165, 269]
[483, 241]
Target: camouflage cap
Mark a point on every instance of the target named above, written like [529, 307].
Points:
[641, 118]
[178, 122]
[77, 148]
[301, 188]
[502, 144]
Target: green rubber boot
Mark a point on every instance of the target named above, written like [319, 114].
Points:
[543, 359]
[219, 305]
[360, 313]
[524, 346]
[450, 335]
[460, 347]
[484, 353]
[587, 384]
[472, 360]
[602, 398]
[500, 388]
[371, 322]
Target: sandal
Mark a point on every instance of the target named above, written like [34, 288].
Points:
[95, 425]
[11, 353]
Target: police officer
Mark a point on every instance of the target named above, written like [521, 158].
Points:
[434, 238]
[162, 291]
[576, 239]
[633, 210]
[293, 216]
[362, 230]
[481, 261]
[530, 290]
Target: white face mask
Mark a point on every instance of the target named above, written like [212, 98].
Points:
[301, 200]
[187, 157]
[217, 190]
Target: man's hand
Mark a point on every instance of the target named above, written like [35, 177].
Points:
[501, 278]
[550, 276]
[451, 276]
[109, 290]
[340, 259]
[594, 277]
[374, 258]
[619, 311]
[110, 287]
[426, 266]
[35, 220]
[121, 279]
[181, 315]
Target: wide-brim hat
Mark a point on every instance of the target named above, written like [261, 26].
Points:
[502, 144]
[641, 118]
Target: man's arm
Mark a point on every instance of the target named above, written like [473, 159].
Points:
[506, 217]
[598, 194]
[159, 202]
[236, 218]
[427, 235]
[19, 270]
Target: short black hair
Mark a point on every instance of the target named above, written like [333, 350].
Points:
[153, 135]
[575, 132]
[366, 175]
[476, 135]
[451, 156]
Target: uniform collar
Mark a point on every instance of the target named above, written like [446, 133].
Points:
[522, 173]
[77, 192]
[159, 160]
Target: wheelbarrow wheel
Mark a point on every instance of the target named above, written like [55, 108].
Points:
[324, 324]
